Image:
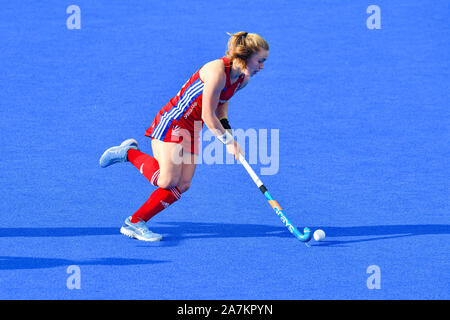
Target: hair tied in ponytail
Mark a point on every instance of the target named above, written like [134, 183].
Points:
[241, 45]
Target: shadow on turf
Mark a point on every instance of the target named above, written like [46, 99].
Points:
[376, 233]
[15, 263]
[57, 232]
[175, 232]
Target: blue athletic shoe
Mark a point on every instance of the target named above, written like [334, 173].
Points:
[130, 142]
[139, 230]
[118, 153]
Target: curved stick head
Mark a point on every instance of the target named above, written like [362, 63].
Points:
[306, 236]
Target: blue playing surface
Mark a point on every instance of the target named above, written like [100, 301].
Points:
[363, 119]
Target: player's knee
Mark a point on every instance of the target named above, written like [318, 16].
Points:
[167, 182]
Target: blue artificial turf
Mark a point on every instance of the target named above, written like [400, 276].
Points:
[363, 124]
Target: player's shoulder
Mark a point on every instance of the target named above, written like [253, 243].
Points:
[213, 69]
[215, 65]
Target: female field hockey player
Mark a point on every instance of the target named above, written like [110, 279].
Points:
[175, 129]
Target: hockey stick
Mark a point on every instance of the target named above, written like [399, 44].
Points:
[306, 236]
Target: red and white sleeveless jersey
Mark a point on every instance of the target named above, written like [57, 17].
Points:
[186, 107]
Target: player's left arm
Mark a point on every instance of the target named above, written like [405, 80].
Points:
[222, 110]
[222, 115]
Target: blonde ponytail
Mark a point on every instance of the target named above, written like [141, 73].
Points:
[242, 45]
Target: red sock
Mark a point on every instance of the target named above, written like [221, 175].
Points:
[146, 164]
[158, 201]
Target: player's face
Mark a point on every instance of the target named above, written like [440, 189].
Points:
[256, 62]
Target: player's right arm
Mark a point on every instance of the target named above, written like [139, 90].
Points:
[214, 78]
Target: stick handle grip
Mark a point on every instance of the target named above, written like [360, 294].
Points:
[250, 171]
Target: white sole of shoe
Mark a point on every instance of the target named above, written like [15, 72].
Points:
[133, 235]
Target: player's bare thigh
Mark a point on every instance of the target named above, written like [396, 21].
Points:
[176, 166]
[168, 155]
[187, 172]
